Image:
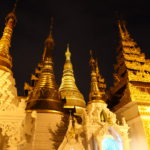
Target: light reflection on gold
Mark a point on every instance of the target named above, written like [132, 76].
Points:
[68, 89]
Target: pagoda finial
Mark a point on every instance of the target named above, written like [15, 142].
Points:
[15, 6]
[123, 30]
[126, 39]
[95, 93]
[92, 61]
[100, 79]
[91, 53]
[97, 68]
[49, 43]
[68, 89]
[51, 26]
[67, 53]
[12, 14]
[5, 41]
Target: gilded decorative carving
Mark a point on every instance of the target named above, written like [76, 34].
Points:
[44, 92]
[93, 126]
[132, 57]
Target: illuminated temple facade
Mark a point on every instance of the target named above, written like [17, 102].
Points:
[52, 117]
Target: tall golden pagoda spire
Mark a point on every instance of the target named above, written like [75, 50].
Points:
[8, 91]
[95, 91]
[68, 89]
[5, 41]
[45, 96]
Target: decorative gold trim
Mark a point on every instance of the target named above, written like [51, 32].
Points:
[144, 113]
[7, 59]
[46, 111]
[144, 103]
[69, 106]
[5, 68]
[52, 100]
[77, 114]
[96, 101]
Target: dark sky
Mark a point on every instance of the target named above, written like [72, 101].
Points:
[83, 24]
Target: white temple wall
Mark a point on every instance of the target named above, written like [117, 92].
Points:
[41, 139]
[136, 130]
[137, 135]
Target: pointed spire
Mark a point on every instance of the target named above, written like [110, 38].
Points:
[45, 96]
[92, 61]
[68, 89]
[123, 30]
[100, 79]
[95, 94]
[49, 44]
[51, 26]
[97, 69]
[12, 14]
[5, 41]
[125, 38]
[68, 54]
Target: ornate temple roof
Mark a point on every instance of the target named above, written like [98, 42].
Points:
[68, 89]
[132, 73]
[131, 63]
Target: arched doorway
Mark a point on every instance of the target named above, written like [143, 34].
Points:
[112, 140]
[110, 144]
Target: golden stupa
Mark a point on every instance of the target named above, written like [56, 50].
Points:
[44, 96]
[68, 89]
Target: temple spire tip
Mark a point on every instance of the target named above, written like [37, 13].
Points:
[123, 29]
[91, 53]
[68, 54]
[68, 48]
[51, 26]
[15, 6]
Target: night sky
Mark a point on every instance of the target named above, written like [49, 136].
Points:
[83, 24]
